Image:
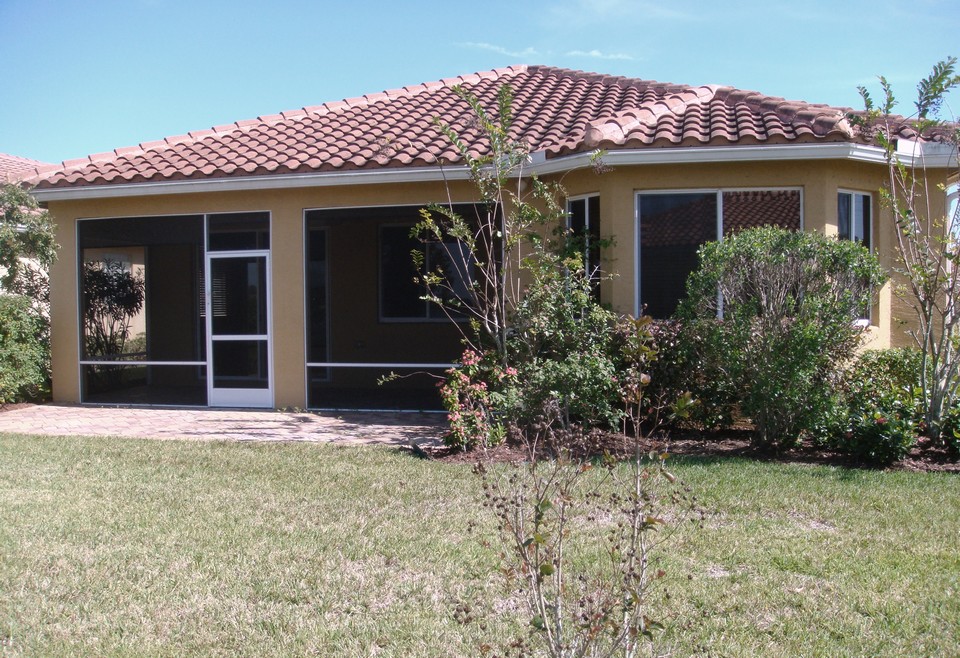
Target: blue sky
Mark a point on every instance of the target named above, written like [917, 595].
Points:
[86, 77]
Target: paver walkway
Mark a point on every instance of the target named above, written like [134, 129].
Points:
[351, 428]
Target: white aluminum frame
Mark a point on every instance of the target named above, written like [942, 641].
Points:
[238, 397]
[253, 401]
[719, 191]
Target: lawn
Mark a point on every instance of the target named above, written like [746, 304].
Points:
[127, 547]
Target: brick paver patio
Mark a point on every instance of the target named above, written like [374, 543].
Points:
[225, 424]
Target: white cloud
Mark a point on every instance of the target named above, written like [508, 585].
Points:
[596, 54]
[526, 52]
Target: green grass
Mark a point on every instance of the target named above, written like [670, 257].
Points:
[125, 547]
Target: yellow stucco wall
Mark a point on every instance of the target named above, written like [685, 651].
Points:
[287, 263]
[818, 180]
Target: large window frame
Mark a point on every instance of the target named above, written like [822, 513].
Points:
[862, 220]
[719, 212]
[583, 223]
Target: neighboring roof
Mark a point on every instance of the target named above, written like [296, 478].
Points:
[13, 168]
[556, 111]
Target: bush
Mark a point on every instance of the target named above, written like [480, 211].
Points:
[950, 430]
[564, 347]
[789, 302]
[23, 354]
[881, 439]
[472, 394]
[682, 367]
[885, 409]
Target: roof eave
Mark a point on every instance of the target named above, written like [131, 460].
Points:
[539, 166]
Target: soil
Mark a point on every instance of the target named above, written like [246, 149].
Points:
[720, 445]
[15, 405]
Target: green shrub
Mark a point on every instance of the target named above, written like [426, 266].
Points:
[682, 366]
[950, 430]
[564, 347]
[881, 439]
[884, 385]
[883, 380]
[23, 354]
[789, 302]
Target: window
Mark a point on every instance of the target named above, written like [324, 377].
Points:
[673, 225]
[854, 223]
[853, 217]
[583, 220]
[400, 295]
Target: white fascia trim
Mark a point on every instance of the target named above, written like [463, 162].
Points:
[540, 166]
[721, 154]
[275, 182]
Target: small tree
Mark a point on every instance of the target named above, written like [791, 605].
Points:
[27, 250]
[927, 241]
[544, 362]
[112, 296]
[483, 253]
[789, 301]
[27, 245]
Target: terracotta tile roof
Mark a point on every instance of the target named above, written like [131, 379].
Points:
[557, 112]
[13, 168]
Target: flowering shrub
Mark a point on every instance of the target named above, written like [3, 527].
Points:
[881, 439]
[880, 415]
[472, 403]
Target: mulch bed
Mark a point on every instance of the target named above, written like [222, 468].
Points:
[15, 405]
[730, 443]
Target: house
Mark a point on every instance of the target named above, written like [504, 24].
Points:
[275, 251]
[13, 168]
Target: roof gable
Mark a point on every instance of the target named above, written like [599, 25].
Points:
[556, 112]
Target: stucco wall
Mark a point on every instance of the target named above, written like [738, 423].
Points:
[818, 180]
[287, 262]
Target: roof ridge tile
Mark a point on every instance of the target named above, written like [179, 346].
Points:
[617, 127]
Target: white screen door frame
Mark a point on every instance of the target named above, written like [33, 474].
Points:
[239, 336]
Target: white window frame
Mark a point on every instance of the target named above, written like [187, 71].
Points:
[719, 191]
[869, 203]
[586, 224]
[867, 321]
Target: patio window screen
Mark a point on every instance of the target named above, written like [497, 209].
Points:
[364, 312]
[142, 334]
